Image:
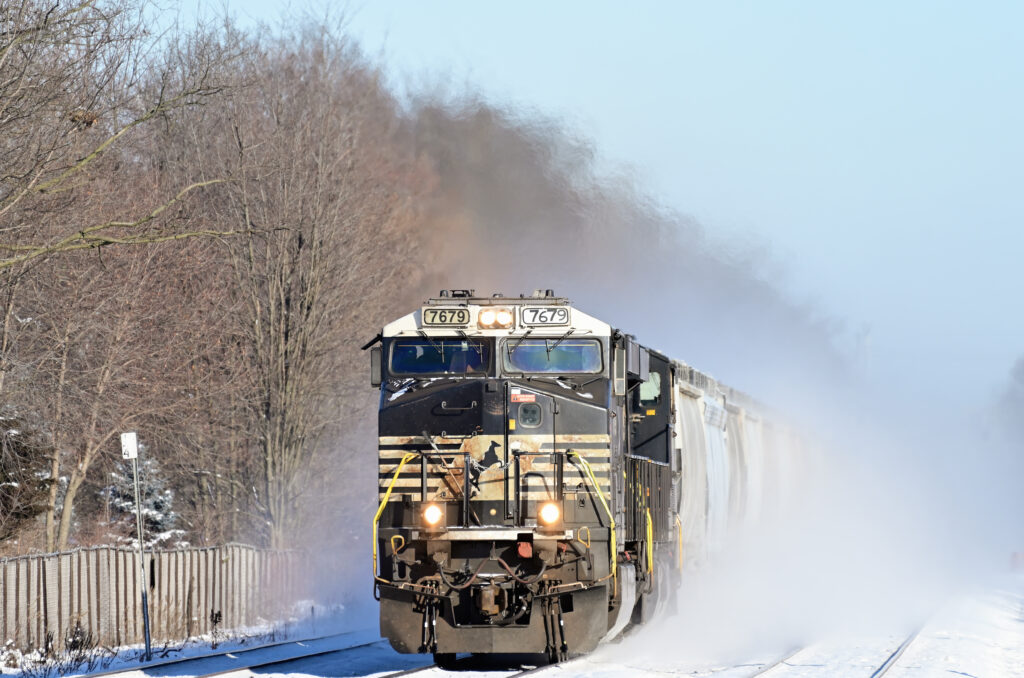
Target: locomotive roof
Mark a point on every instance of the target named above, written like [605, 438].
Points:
[572, 320]
[539, 297]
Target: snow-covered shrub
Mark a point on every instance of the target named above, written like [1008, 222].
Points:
[157, 499]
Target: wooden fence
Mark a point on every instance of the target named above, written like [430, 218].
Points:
[189, 590]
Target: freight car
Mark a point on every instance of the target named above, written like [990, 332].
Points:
[544, 479]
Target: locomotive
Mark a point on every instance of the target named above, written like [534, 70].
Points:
[544, 479]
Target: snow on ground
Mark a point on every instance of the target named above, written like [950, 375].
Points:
[980, 635]
[307, 621]
[376, 660]
[226, 662]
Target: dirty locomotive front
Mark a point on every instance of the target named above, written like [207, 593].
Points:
[530, 469]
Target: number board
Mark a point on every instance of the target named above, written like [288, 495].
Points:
[446, 316]
[544, 315]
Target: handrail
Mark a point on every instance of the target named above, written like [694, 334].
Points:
[679, 529]
[600, 495]
[380, 510]
[650, 542]
[449, 475]
[444, 406]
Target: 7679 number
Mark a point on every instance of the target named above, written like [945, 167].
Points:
[545, 315]
[445, 316]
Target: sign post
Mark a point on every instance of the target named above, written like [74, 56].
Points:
[130, 450]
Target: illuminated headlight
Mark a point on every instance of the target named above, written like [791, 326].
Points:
[432, 514]
[495, 318]
[550, 513]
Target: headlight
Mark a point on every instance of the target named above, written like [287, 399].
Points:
[550, 513]
[432, 514]
[495, 318]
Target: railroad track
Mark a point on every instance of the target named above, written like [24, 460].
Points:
[878, 672]
[465, 666]
[265, 656]
[891, 661]
[243, 658]
[242, 661]
[290, 659]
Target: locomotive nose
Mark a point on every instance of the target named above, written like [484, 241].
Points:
[445, 409]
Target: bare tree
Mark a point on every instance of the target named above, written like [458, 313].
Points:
[22, 489]
[325, 195]
[77, 77]
[82, 84]
[237, 357]
[97, 361]
[206, 440]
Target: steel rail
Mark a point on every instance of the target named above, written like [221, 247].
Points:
[461, 664]
[897, 653]
[287, 660]
[785, 658]
[145, 667]
[880, 671]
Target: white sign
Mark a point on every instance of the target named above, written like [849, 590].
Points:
[129, 445]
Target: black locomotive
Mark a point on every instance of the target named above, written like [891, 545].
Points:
[540, 475]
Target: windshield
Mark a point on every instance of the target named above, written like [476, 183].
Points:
[570, 356]
[439, 356]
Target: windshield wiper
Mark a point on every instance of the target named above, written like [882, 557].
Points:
[436, 347]
[512, 349]
[477, 346]
[559, 341]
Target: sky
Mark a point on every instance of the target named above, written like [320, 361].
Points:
[872, 152]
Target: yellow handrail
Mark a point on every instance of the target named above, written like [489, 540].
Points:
[380, 510]
[679, 529]
[650, 542]
[600, 495]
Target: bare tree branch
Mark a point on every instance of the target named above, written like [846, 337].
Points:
[97, 235]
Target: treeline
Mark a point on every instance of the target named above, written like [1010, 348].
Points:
[198, 232]
[200, 227]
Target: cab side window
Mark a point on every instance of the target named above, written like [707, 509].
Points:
[650, 390]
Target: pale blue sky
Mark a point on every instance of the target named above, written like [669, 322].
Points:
[875, 150]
